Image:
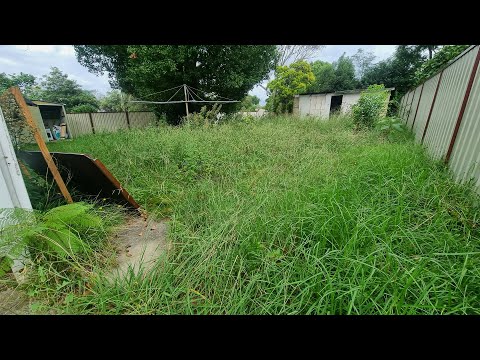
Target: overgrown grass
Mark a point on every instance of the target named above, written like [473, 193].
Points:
[292, 216]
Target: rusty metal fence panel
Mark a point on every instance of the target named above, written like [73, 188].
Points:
[141, 119]
[424, 106]
[447, 106]
[465, 158]
[79, 124]
[109, 122]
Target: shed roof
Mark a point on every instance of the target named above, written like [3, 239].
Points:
[40, 102]
[356, 91]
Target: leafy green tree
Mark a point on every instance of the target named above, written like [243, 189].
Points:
[144, 70]
[57, 87]
[441, 58]
[430, 48]
[116, 100]
[289, 81]
[344, 74]
[362, 61]
[250, 103]
[324, 77]
[24, 81]
[398, 70]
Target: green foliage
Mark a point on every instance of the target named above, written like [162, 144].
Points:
[289, 81]
[250, 103]
[58, 88]
[344, 74]
[362, 61]
[58, 231]
[389, 125]
[441, 58]
[367, 111]
[83, 108]
[324, 77]
[204, 117]
[141, 70]
[116, 100]
[24, 81]
[17, 126]
[397, 71]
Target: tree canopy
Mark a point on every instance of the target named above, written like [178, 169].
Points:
[54, 87]
[116, 100]
[288, 81]
[440, 59]
[250, 103]
[324, 77]
[142, 70]
[344, 74]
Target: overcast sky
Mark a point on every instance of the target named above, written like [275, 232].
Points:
[38, 59]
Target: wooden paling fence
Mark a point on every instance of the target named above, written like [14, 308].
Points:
[93, 123]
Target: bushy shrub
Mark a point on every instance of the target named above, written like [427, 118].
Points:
[370, 106]
[205, 117]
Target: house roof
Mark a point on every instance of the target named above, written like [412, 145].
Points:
[356, 91]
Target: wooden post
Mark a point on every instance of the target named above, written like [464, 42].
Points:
[41, 144]
[91, 122]
[186, 100]
[128, 120]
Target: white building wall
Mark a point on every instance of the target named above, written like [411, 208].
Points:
[12, 188]
[348, 101]
[315, 105]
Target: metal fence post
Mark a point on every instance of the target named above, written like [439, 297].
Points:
[431, 107]
[464, 105]
[418, 103]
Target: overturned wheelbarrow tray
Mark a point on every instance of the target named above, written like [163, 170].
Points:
[88, 175]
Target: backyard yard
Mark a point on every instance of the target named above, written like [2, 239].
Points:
[290, 216]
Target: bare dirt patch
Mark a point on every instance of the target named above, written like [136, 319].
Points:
[139, 242]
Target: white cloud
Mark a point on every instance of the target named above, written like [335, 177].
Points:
[7, 61]
[37, 48]
[66, 50]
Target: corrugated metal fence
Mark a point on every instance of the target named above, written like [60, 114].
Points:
[91, 123]
[444, 114]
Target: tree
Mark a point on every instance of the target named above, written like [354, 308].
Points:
[143, 70]
[289, 81]
[250, 103]
[398, 70]
[324, 77]
[431, 49]
[293, 53]
[441, 58]
[57, 87]
[116, 100]
[362, 61]
[24, 81]
[344, 74]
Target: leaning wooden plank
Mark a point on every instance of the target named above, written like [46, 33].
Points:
[41, 144]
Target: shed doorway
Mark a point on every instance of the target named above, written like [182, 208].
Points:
[336, 104]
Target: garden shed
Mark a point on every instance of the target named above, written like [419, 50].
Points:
[50, 118]
[325, 104]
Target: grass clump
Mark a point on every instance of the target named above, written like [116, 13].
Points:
[292, 216]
